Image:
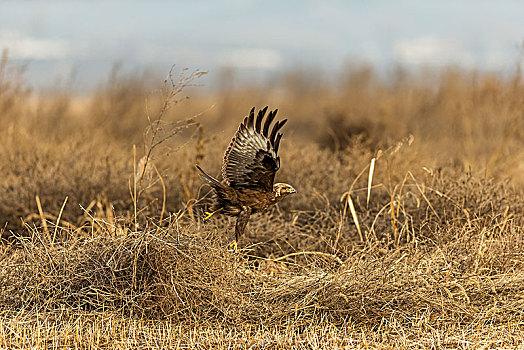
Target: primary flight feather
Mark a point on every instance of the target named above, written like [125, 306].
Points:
[250, 164]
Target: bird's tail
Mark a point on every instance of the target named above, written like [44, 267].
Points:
[209, 179]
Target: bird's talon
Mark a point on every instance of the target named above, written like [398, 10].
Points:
[234, 246]
[208, 214]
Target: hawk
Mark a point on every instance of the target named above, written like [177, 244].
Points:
[250, 164]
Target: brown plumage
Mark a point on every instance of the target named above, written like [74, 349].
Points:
[250, 164]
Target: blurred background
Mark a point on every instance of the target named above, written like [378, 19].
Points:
[78, 42]
[81, 87]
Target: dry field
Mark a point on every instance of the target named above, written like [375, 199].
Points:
[103, 245]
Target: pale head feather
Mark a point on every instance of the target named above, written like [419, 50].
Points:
[282, 189]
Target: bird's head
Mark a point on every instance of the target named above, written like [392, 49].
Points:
[281, 190]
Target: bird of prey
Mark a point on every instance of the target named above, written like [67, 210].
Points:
[248, 172]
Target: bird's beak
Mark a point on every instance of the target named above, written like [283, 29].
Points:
[293, 190]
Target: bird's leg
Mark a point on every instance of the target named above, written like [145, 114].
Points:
[240, 227]
[209, 214]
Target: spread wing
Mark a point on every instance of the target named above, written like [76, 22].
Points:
[251, 159]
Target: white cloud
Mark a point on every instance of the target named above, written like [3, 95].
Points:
[21, 46]
[431, 50]
[252, 58]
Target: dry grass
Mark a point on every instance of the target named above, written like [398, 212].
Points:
[104, 246]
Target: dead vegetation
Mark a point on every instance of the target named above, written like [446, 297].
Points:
[104, 245]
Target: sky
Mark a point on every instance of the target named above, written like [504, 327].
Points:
[55, 39]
